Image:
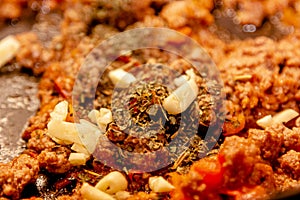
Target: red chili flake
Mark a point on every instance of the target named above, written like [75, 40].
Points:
[136, 64]
[132, 101]
[60, 90]
[125, 59]
[135, 110]
[26, 135]
[63, 183]
[131, 174]
[31, 153]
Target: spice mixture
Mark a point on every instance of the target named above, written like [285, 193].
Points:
[257, 154]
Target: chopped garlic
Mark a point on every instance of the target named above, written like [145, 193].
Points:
[101, 117]
[94, 115]
[112, 183]
[84, 135]
[179, 100]
[105, 117]
[88, 134]
[65, 131]
[60, 131]
[122, 195]
[191, 74]
[265, 122]
[121, 78]
[60, 111]
[285, 116]
[181, 80]
[77, 159]
[89, 192]
[59, 141]
[159, 184]
[9, 47]
[79, 148]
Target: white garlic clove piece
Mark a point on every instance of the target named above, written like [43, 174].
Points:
[112, 183]
[121, 78]
[79, 148]
[159, 184]
[89, 192]
[60, 111]
[65, 131]
[89, 134]
[181, 80]
[9, 47]
[104, 118]
[284, 116]
[180, 99]
[94, 115]
[77, 159]
[265, 122]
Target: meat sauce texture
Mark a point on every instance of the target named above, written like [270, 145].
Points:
[261, 77]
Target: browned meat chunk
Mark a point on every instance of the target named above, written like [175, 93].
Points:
[290, 163]
[39, 141]
[17, 174]
[263, 175]
[269, 141]
[240, 157]
[292, 139]
[55, 160]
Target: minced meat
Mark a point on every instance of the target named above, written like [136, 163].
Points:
[261, 77]
[290, 163]
[269, 141]
[55, 160]
[17, 174]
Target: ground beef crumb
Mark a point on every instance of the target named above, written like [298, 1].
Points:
[284, 182]
[19, 172]
[32, 57]
[290, 163]
[75, 196]
[261, 77]
[143, 195]
[263, 175]
[40, 141]
[241, 156]
[269, 141]
[292, 139]
[55, 160]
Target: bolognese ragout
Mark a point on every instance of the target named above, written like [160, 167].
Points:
[256, 153]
